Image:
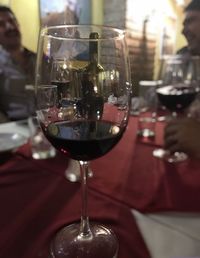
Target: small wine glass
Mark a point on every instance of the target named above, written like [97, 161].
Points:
[178, 90]
[62, 77]
[85, 125]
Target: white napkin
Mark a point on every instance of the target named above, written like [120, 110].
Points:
[170, 235]
[20, 127]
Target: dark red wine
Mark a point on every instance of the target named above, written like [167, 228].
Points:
[176, 98]
[84, 140]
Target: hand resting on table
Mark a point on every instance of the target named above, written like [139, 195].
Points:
[183, 135]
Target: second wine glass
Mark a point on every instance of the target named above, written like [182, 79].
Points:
[178, 90]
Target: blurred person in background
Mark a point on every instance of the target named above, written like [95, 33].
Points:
[191, 28]
[17, 70]
[184, 134]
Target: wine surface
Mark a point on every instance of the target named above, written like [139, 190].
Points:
[176, 98]
[82, 139]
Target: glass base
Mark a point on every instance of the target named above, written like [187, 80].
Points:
[146, 133]
[43, 154]
[73, 173]
[171, 158]
[68, 244]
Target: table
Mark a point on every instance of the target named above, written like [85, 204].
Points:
[131, 175]
[36, 199]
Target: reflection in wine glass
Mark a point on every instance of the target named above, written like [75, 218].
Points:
[176, 93]
[84, 125]
[62, 77]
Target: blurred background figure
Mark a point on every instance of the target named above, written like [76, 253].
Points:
[191, 28]
[191, 32]
[183, 134]
[17, 68]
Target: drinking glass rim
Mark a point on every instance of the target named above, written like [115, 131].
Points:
[46, 86]
[179, 57]
[46, 29]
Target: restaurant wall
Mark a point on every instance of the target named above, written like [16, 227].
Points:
[27, 13]
[97, 11]
[5, 2]
[154, 30]
[180, 39]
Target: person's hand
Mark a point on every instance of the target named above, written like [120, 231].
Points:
[183, 135]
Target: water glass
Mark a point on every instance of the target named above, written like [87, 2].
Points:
[40, 146]
[147, 109]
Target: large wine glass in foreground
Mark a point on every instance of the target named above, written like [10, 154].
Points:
[88, 118]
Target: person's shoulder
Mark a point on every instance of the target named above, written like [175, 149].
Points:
[183, 51]
[30, 55]
[28, 51]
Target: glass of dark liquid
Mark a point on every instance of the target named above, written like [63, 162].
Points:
[178, 90]
[83, 124]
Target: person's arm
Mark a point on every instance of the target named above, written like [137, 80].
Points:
[183, 135]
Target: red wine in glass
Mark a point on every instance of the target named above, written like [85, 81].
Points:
[82, 123]
[176, 98]
[84, 140]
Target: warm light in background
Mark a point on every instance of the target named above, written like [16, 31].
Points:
[154, 12]
[180, 2]
[141, 9]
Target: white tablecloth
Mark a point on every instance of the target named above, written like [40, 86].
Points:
[170, 235]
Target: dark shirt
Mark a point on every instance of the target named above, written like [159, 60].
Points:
[184, 51]
[16, 98]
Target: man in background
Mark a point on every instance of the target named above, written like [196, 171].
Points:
[184, 134]
[17, 69]
[191, 28]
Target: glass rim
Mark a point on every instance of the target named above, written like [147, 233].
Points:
[46, 86]
[179, 56]
[120, 33]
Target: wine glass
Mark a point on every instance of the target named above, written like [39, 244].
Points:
[178, 90]
[62, 77]
[85, 125]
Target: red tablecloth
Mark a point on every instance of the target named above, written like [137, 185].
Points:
[36, 203]
[131, 175]
[36, 199]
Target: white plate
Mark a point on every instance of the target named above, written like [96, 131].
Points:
[11, 141]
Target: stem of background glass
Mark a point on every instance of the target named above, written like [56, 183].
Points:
[174, 114]
[85, 231]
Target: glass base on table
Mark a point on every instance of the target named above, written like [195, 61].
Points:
[101, 243]
[146, 133]
[171, 158]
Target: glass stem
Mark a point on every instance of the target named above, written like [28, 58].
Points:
[85, 231]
